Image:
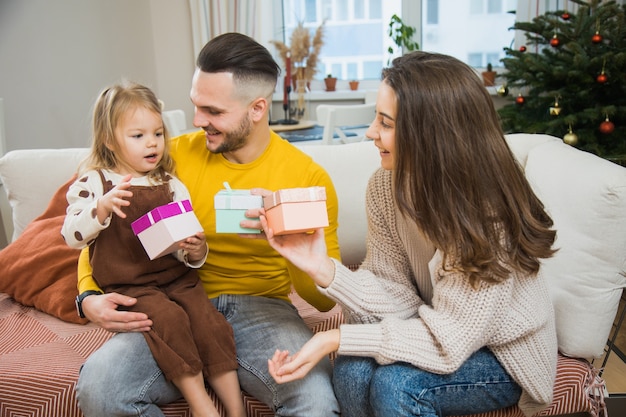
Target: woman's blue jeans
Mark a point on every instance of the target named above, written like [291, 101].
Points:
[366, 389]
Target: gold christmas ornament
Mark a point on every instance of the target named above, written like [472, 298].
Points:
[555, 110]
[503, 90]
[570, 137]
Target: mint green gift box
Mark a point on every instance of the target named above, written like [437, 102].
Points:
[230, 210]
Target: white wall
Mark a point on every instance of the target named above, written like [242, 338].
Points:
[55, 56]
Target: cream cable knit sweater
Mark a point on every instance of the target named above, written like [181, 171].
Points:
[388, 319]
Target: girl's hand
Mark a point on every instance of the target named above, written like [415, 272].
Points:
[195, 246]
[285, 368]
[114, 200]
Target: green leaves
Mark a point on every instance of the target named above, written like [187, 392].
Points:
[402, 35]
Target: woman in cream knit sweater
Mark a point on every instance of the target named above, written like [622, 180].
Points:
[449, 313]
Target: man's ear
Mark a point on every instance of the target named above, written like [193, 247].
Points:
[258, 109]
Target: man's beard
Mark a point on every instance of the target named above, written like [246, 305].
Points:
[237, 138]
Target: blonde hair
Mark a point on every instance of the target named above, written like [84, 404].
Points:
[112, 104]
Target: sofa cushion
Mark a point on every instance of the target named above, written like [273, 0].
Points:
[39, 269]
[586, 197]
[521, 144]
[350, 166]
[30, 177]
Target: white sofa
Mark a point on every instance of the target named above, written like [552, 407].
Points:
[40, 355]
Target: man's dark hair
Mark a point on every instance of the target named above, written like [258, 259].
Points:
[240, 55]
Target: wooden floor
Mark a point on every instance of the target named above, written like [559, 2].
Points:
[615, 369]
[614, 374]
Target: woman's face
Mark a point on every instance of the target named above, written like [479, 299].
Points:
[383, 128]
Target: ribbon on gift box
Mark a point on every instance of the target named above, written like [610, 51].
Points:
[294, 195]
[159, 213]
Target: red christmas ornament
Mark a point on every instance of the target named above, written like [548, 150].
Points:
[602, 78]
[596, 38]
[522, 48]
[555, 42]
[520, 100]
[565, 16]
[607, 127]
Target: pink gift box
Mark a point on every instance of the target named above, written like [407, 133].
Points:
[163, 228]
[296, 210]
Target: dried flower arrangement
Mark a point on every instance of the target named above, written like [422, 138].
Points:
[302, 49]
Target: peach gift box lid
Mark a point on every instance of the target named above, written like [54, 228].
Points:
[294, 195]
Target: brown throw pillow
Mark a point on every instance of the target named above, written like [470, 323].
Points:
[39, 268]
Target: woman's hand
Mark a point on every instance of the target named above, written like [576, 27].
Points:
[102, 310]
[307, 251]
[285, 368]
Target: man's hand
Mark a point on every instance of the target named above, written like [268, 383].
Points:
[102, 310]
[253, 214]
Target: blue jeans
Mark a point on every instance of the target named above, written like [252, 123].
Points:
[366, 389]
[122, 378]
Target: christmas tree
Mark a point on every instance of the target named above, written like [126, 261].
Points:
[569, 80]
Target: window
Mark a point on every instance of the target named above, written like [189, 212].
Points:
[476, 32]
[356, 42]
[356, 39]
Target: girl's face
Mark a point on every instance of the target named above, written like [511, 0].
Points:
[140, 140]
[383, 128]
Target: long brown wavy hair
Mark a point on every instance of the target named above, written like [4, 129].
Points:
[456, 176]
[110, 107]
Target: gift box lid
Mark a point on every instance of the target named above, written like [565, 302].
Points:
[294, 195]
[230, 199]
[159, 213]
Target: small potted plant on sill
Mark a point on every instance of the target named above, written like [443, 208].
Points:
[354, 85]
[330, 82]
[489, 76]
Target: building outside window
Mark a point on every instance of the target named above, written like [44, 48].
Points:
[356, 39]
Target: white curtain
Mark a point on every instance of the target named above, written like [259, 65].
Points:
[210, 18]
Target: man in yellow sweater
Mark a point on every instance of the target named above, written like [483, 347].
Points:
[246, 279]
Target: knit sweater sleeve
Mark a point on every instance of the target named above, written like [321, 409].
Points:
[461, 320]
[365, 296]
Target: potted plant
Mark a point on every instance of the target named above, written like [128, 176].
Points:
[489, 76]
[402, 36]
[354, 85]
[302, 56]
[331, 82]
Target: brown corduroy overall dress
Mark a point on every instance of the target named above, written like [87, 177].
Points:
[188, 334]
